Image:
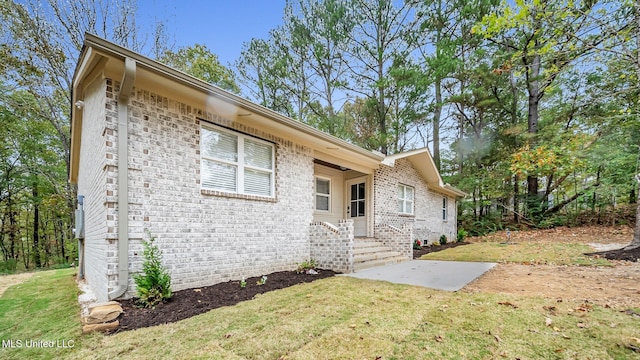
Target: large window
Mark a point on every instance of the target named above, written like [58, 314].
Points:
[323, 194]
[405, 199]
[444, 208]
[236, 163]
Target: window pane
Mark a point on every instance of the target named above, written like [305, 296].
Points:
[409, 193]
[400, 191]
[322, 186]
[218, 176]
[400, 205]
[354, 192]
[219, 145]
[354, 209]
[409, 207]
[361, 191]
[257, 182]
[361, 208]
[322, 203]
[257, 154]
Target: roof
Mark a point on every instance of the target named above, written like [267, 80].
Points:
[102, 58]
[422, 161]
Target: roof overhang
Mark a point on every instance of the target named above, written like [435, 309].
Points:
[101, 58]
[422, 161]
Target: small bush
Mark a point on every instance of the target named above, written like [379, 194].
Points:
[417, 245]
[443, 239]
[306, 265]
[154, 283]
[462, 234]
[8, 267]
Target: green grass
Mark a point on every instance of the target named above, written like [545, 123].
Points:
[523, 253]
[335, 318]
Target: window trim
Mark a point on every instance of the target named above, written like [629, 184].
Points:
[315, 191]
[404, 199]
[240, 164]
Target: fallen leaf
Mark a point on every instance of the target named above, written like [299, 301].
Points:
[439, 338]
[226, 336]
[551, 309]
[565, 336]
[497, 338]
[197, 290]
[636, 339]
[353, 326]
[548, 321]
[581, 325]
[556, 329]
[309, 295]
[507, 303]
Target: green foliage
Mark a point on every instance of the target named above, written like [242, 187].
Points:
[443, 239]
[154, 283]
[417, 244]
[199, 61]
[462, 234]
[306, 265]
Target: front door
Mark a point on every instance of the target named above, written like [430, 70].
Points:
[357, 205]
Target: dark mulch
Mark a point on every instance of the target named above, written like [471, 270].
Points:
[187, 303]
[435, 248]
[620, 254]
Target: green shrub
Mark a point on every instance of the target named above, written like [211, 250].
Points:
[306, 265]
[443, 239]
[462, 234]
[154, 283]
[417, 245]
[8, 267]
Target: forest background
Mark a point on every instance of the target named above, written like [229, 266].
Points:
[531, 107]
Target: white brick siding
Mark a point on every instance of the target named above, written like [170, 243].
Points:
[427, 218]
[92, 183]
[205, 238]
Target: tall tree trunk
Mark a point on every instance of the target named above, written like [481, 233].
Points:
[436, 122]
[636, 234]
[635, 243]
[36, 227]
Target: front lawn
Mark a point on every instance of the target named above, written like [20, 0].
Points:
[534, 253]
[333, 318]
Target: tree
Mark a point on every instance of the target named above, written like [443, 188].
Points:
[199, 61]
[41, 41]
[545, 38]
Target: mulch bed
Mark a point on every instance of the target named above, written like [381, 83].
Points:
[187, 303]
[435, 248]
[620, 254]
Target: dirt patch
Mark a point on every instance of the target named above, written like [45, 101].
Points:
[617, 286]
[187, 303]
[7, 281]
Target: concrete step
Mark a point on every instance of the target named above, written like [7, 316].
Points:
[358, 266]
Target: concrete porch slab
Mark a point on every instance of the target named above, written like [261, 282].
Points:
[442, 275]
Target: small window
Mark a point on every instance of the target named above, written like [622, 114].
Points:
[444, 208]
[236, 163]
[323, 194]
[405, 199]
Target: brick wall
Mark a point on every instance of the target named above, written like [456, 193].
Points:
[398, 239]
[206, 237]
[332, 246]
[93, 185]
[427, 218]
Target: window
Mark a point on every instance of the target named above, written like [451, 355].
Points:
[236, 163]
[444, 208]
[405, 199]
[323, 194]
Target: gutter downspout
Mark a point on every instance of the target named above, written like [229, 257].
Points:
[126, 86]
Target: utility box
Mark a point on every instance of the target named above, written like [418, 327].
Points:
[79, 226]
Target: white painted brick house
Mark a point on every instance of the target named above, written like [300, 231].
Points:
[229, 188]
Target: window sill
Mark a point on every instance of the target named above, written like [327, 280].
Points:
[237, 196]
[407, 215]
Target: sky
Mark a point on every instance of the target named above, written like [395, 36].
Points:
[222, 25]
